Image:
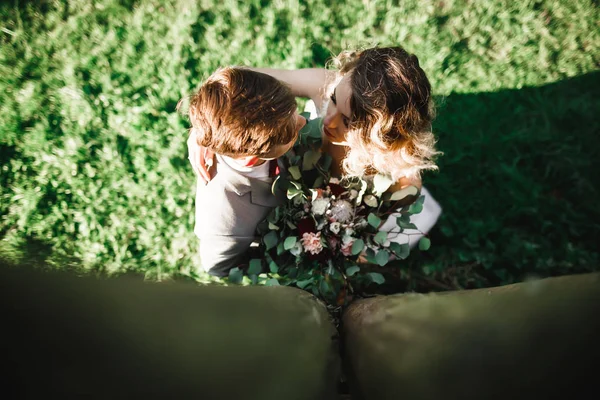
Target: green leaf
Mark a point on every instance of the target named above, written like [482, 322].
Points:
[352, 270]
[381, 183]
[370, 200]
[291, 225]
[255, 266]
[280, 183]
[310, 159]
[235, 275]
[405, 192]
[376, 277]
[280, 248]
[357, 246]
[274, 215]
[371, 256]
[254, 279]
[271, 240]
[401, 222]
[324, 286]
[290, 242]
[380, 237]
[417, 206]
[424, 244]
[273, 267]
[400, 250]
[313, 128]
[295, 172]
[374, 220]
[303, 284]
[272, 282]
[293, 192]
[319, 181]
[273, 227]
[382, 257]
[326, 164]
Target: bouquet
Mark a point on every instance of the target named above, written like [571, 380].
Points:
[327, 231]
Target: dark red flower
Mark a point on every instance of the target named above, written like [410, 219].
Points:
[336, 189]
[306, 225]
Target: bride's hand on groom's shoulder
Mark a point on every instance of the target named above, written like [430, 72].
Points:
[201, 159]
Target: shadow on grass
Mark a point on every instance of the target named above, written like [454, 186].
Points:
[519, 186]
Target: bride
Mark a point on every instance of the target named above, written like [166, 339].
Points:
[377, 112]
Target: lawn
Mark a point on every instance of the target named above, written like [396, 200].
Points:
[94, 170]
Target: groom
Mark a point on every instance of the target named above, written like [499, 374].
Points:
[248, 119]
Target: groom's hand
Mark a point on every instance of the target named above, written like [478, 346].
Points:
[201, 158]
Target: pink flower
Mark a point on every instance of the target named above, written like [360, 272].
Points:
[347, 249]
[312, 242]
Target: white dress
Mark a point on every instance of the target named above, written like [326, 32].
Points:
[424, 221]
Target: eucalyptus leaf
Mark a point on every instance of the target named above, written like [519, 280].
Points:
[352, 270]
[273, 267]
[290, 242]
[280, 248]
[255, 266]
[273, 227]
[357, 246]
[374, 220]
[319, 181]
[235, 275]
[272, 282]
[380, 237]
[376, 277]
[370, 200]
[424, 244]
[381, 183]
[271, 240]
[291, 225]
[304, 283]
[370, 254]
[405, 192]
[293, 192]
[295, 172]
[324, 286]
[400, 250]
[417, 206]
[382, 257]
[253, 279]
[326, 164]
[401, 222]
[311, 157]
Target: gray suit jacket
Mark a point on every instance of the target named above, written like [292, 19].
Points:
[228, 209]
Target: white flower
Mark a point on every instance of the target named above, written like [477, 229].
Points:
[342, 211]
[353, 194]
[349, 231]
[319, 205]
[347, 239]
[335, 227]
[312, 242]
[297, 249]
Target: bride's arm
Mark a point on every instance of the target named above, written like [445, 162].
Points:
[307, 82]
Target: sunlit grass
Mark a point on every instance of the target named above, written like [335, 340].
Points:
[93, 156]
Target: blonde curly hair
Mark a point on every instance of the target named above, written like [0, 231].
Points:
[392, 111]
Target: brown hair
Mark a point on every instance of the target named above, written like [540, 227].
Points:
[392, 112]
[239, 112]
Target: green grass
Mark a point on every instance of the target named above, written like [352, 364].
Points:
[93, 162]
